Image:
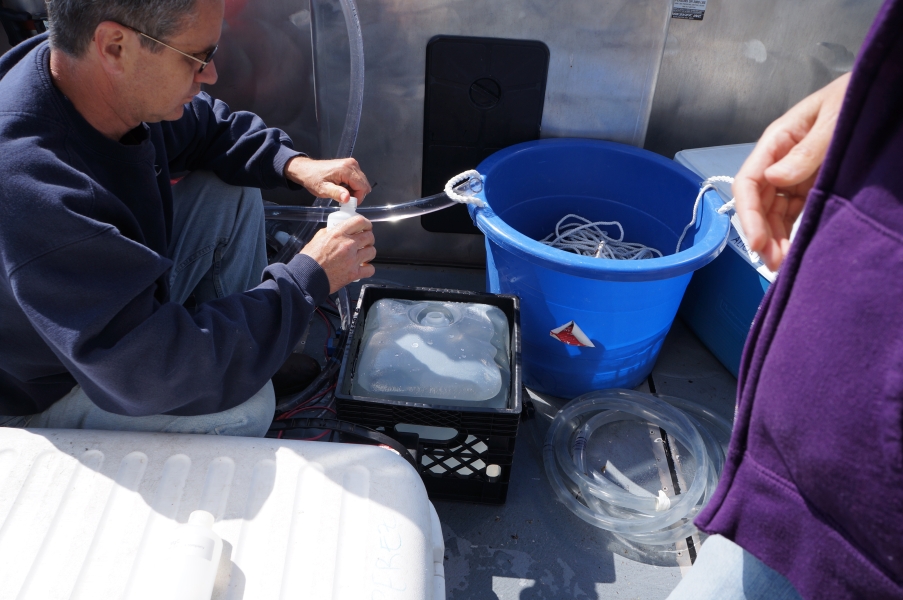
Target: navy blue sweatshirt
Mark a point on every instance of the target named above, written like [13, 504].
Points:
[85, 223]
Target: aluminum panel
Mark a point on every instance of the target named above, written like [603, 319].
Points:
[604, 63]
[725, 78]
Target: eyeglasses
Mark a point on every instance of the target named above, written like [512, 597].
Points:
[208, 56]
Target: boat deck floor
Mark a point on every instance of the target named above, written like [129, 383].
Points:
[533, 547]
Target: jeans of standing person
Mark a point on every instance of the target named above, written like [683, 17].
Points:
[725, 571]
[217, 249]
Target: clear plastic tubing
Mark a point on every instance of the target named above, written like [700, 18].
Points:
[387, 212]
[304, 231]
[608, 506]
[683, 527]
[308, 216]
[646, 409]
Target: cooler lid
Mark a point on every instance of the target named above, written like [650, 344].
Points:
[80, 511]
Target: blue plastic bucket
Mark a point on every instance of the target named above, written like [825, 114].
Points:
[625, 307]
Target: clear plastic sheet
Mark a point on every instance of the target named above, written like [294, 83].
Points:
[453, 352]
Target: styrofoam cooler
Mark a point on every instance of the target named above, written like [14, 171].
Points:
[83, 512]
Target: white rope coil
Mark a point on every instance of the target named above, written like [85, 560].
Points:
[586, 238]
[458, 179]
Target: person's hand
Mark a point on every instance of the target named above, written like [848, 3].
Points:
[344, 252]
[772, 185]
[328, 178]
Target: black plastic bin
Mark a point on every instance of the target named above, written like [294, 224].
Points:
[454, 467]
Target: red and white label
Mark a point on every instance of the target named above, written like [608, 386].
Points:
[571, 334]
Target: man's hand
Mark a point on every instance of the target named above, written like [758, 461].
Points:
[325, 178]
[344, 252]
[772, 185]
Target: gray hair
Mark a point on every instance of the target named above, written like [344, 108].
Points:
[73, 22]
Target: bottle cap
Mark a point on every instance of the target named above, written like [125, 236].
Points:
[345, 212]
[435, 319]
[201, 518]
[350, 207]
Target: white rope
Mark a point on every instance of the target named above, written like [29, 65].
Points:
[586, 238]
[457, 179]
[708, 184]
[729, 205]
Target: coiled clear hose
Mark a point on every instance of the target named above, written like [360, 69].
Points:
[636, 516]
[304, 231]
[309, 216]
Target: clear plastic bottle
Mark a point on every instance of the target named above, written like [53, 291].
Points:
[179, 563]
[189, 568]
[345, 212]
[186, 567]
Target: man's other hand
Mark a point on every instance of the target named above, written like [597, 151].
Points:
[772, 185]
[328, 178]
[344, 252]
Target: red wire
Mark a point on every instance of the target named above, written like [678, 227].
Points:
[307, 406]
[291, 413]
[288, 414]
[303, 408]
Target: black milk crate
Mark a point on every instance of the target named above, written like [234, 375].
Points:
[468, 440]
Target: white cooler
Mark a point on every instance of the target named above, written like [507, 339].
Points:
[82, 511]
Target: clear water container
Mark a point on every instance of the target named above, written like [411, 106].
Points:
[444, 353]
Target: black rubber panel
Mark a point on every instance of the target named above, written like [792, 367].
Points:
[482, 95]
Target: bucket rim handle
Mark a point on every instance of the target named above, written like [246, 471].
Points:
[703, 251]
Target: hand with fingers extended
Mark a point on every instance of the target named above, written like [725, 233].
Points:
[329, 178]
[344, 252]
[772, 185]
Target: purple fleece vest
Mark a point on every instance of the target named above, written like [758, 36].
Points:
[813, 485]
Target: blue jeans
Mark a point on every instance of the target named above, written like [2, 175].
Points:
[725, 571]
[217, 249]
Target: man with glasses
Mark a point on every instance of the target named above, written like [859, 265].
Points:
[100, 254]
[203, 59]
